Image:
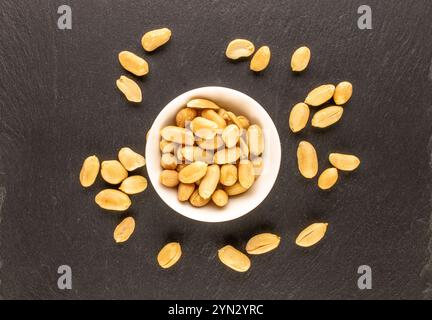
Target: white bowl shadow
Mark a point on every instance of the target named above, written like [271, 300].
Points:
[237, 206]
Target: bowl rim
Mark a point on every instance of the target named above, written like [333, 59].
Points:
[191, 212]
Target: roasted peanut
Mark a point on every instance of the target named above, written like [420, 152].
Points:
[89, 171]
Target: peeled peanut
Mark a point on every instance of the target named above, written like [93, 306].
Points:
[178, 135]
[212, 115]
[235, 189]
[307, 160]
[299, 117]
[89, 171]
[202, 104]
[185, 190]
[255, 140]
[244, 149]
[130, 159]
[328, 178]
[233, 118]
[239, 48]
[133, 184]
[228, 175]
[258, 166]
[202, 155]
[212, 144]
[246, 173]
[113, 172]
[220, 198]
[133, 63]
[184, 116]
[227, 155]
[169, 178]
[166, 146]
[209, 182]
[344, 162]
[111, 199]
[187, 153]
[168, 161]
[155, 38]
[244, 122]
[320, 95]
[130, 89]
[204, 128]
[197, 201]
[261, 59]
[231, 135]
[300, 59]
[343, 92]
[193, 172]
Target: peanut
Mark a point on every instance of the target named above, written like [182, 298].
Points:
[89, 171]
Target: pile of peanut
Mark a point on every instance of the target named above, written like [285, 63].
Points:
[210, 154]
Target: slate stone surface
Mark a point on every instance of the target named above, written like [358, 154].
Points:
[59, 104]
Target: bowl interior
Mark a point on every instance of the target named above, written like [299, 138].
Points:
[237, 206]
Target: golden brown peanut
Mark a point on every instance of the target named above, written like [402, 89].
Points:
[155, 38]
[344, 162]
[185, 190]
[255, 139]
[133, 184]
[307, 160]
[234, 259]
[179, 154]
[111, 199]
[311, 235]
[258, 166]
[130, 159]
[130, 89]
[197, 201]
[343, 92]
[211, 144]
[180, 166]
[124, 230]
[198, 182]
[231, 135]
[168, 161]
[239, 48]
[184, 116]
[299, 117]
[187, 153]
[244, 122]
[202, 155]
[223, 113]
[209, 182]
[328, 178]
[300, 59]
[166, 146]
[233, 118]
[169, 255]
[262, 243]
[204, 128]
[327, 116]
[113, 172]
[89, 171]
[193, 172]
[235, 189]
[132, 63]
[169, 178]
[228, 175]
[320, 95]
[212, 115]
[224, 156]
[246, 173]
[220, 198]
[202, 104]
[178, 135]
[244, 149]
[261, 59]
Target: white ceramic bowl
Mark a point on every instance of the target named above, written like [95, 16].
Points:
[237, 206]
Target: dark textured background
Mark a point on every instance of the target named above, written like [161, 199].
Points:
[59, 104]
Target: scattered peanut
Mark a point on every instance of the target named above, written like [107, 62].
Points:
[111, 199]
[311, 235]
[132, 63]
[133, 185]
[130, 159]
[262, 243]
[130, 89]
[234, 259]
[169, 255]
[299, 117]
[307, 160]
[327, 116]
[124, 230]
[239, 48]
[89, 171]
[328, 178]
[344, 162]
[320, 95]
[343, 92]
[155, 38]
[300, 59]
[261, 59]
[113, 172]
